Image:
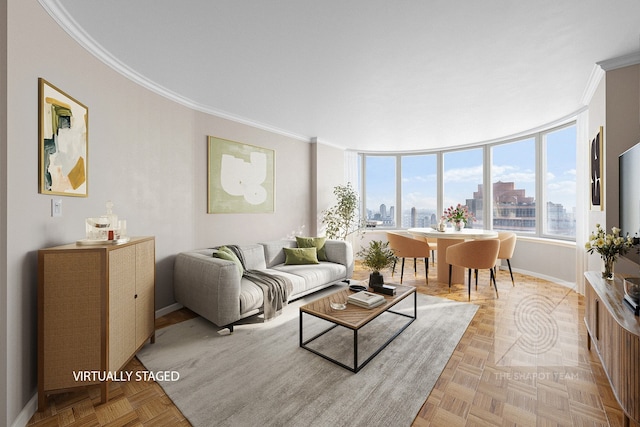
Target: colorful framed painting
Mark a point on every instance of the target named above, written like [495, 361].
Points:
[63, 131]
[241, 177]
[597, 178]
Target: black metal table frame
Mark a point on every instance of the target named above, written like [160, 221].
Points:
[356, 368]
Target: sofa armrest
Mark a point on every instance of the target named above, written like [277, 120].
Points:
[208, 286]
[341, 252]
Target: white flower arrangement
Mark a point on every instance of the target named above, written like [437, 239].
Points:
[609, 246]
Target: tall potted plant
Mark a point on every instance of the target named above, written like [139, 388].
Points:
[376, 257]
[342, 219]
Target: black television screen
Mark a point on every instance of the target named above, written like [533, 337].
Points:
[629, 169]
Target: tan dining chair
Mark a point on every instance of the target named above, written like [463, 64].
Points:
[404, 246]
[474, 255]
[507, 247]
[433, 244]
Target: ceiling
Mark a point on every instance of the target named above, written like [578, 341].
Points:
[371, 75]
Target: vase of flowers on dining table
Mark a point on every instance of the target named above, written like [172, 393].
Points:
[458, 215]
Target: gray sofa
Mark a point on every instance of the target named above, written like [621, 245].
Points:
[215, 289]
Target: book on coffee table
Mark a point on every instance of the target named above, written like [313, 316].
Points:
[366, 299]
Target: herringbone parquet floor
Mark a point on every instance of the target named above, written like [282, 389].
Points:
[523, 361]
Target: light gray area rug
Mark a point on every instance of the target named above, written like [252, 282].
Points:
[259, 376]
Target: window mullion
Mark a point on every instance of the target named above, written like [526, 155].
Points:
[540, 185]
[398, 211]
[440, 185]
[487, 193]
[363, 188]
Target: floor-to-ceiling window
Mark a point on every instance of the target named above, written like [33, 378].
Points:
[559, 182]
[462, 178]
[513, 179]
[419, 191]
[380, 194]
[526, 185]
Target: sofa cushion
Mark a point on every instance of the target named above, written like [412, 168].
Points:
[314, 275]
[297, 282]
[251, 296]
[300, 256]
[313, 242]
[273, 253]
[253, 257]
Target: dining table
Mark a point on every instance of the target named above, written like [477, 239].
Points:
[449, 237]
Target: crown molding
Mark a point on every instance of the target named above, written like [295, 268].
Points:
[597, 74]
[600, 69]
[316, 140]
[620, 61]
[59, 14]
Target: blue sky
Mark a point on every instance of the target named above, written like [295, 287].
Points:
[512, 162]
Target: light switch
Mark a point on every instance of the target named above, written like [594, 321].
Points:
[56, 207]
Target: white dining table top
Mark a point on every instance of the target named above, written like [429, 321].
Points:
[450, 233]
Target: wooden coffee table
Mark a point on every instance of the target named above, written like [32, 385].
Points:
[354, 318]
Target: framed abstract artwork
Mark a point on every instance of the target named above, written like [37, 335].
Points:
[63, 131]
[241, 177]
[597, 178]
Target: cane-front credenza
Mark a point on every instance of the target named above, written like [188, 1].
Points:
[95, 311]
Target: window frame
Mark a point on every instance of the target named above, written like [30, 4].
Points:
[540, 186]
[542, 174]
[536, 168]
[363, 188]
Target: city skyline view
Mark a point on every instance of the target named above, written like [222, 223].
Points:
[463, 173]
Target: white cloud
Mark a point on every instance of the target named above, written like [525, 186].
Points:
[472, 174]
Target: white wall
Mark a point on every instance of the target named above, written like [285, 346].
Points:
[3, 212]
[622, 131]
[548, 259]
[597, 118]
[146, 154]
[328, 172]
[615, 105]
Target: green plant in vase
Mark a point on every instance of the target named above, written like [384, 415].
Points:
[376, 257]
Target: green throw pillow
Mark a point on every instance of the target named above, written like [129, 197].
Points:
[297, 256]
[314, 242]
[224, 252]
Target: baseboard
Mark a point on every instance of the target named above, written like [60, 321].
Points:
[570, 285]
[168, 309]
[27, 412]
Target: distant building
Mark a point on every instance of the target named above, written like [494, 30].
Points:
[382, 217]
[558, 221]
[514, 210]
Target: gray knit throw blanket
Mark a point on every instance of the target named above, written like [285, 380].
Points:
[276, 289]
